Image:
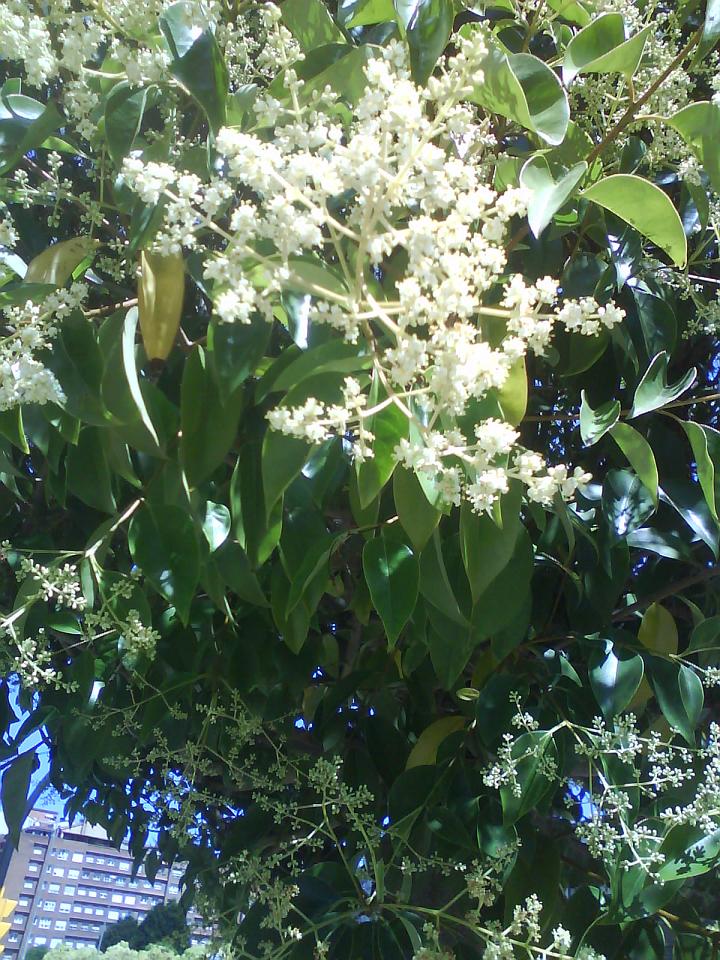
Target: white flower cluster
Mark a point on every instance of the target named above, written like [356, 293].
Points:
[27, 329]
[400, 189]
[58, 583]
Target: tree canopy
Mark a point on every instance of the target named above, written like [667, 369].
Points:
[165, 923]
[358, 461]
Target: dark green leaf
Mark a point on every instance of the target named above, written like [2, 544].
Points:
[654, 392]
[615, 676]
[392, 575]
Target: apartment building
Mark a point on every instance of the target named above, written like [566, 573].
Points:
[70, 882]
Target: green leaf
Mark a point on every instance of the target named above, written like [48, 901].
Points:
[658, 631]
[513, 395]
[547, 195]
[257, 530]
[601, 47]
[594, 424]
[11, 427]
[654, 392]
[283, 457]
[571, 11]
[487, 546]
[56, 264]
[427, 25]
[234, 352]
[705, 443]
[124, 112]
[424, 753]
[435, 583]
[361, 13]
[234, 567]
[88, 473]
[646, 208]
[392, 575]
[309, 21]
[24, 125]
[416, 514]
[389, 426]
[531, 752]
[639, 454]
[688, 852]
[163, 544]
[699, 126]
[121, 390]
[202, 72]
[209, 427]
[178, 23]
[14, 793]
[679, 694]
[614, 677]
[711, 27]
[215, 524]
[522, 88]
[626, 502]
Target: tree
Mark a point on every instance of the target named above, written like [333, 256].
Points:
[121, 951]
[358, 452]
[36, 953]
[125, 930]
[165, 923]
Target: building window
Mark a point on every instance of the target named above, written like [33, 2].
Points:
[34, 867]
[113, 915]
[99, 912]
[55, 942]
[38, 851]
[49, 905]
[40, 941]
[60, 924]
[78, 857]
[124, 866]
[28, 885]
[54, 888]
[45, 923]
[69, 889]
[116, 898]
[65, 908]
[58, 871]
[63, 854]
[77, 908]
[73, 874]
[129, 899]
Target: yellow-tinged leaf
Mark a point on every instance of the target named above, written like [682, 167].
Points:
[425, 750]
[658, 631]
[160, 301]
[57, 262]
[513, 395]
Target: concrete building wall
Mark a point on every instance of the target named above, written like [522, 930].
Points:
[71, 882]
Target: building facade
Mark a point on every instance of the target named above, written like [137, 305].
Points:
[71, 882]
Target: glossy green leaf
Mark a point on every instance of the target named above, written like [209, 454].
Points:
[646, 208]
[56, 264]
[688, 852]
[547, 194]
[310, 23]
[679, 694]
[425, 750]
[615, 676]
[532, 753]
[711, 27]
[124, 111]
[658, 630]
[25, 124]
[522, 88]
[639, 455]
[654, 392]
[601, 47]
[513, 395]
[486, 545]
[427, 25]
[208, 426]
[121, 390]
[392, 575]
[699, 126]
[389, 426]
[626, 502]
[163, 544]
[14, 792]
[705, 443]
[360, 13]
[416, 514]
[571, 10]
[203, 73]
[594, 424]
[88, 472]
